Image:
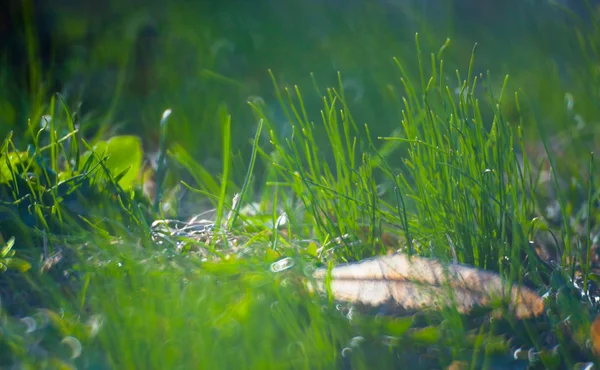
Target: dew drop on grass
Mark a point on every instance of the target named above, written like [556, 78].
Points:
[74, 344]
[256, 100]
[42, 318]
[346, 352]
[518, 354]
[585, 366]
[94, 324]
[389, 341]
[30, 323]
[354, 85]
[274, 305]
[570, 101]
[356, 341]
[282, 265]
[282, 220]
[350, 314]
[532, 355]
[165, 115]
[309, 270]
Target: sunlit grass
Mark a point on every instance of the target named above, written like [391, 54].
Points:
[453, 178]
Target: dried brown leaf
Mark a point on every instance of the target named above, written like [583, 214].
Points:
[595, 335]
[405, 294]
[415, 282]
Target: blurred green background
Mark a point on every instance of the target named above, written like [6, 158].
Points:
[119, 65]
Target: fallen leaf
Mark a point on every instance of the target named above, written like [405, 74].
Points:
[417, 282]
[595, 334]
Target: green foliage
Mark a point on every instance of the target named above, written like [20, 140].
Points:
[8, 259]
[443, 167]
[123, 155]
[9, 161]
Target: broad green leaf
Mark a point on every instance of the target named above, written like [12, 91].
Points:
[17, 263]
[125, 158]
[398, 326]
[7, 247]
[427, 335]
[14, 159]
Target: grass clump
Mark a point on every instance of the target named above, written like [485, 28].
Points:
[449, 177]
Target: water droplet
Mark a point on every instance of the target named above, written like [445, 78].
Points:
[94, 324]
[74, 344]
[532, 355]
[30, 323]
[282, 265]
[517, 354]
[356, 341]
[389, 341]
[569, 101]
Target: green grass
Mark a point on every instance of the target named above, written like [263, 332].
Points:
[439, 158]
